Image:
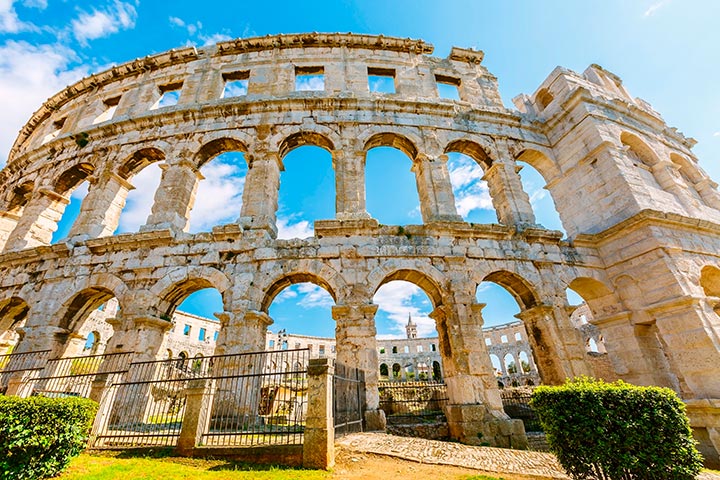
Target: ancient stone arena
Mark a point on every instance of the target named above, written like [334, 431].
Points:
[642, 219]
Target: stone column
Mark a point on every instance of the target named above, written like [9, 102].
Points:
[474, 411]
[242, 332]
[8, 222]
[356, 346]
[349, 169]
[554, 344]
[140, 334]
[708, 191]
[39, 220]
[260, 194]
[437, 202]
[100, 212]
[319, 441]
[511, 202]
[667, 175]
[174, 198]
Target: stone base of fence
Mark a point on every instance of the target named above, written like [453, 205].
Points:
[476, 425]
[375, 421]
[289, 455]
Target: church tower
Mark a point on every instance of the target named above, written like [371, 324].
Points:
[411, 328]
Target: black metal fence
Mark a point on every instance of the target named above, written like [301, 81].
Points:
[413, 399]
[516, 404]
[247, 399]
[348, 399]
[21, 369]
[75, 376]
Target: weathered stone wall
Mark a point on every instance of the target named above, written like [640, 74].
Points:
[641, 216]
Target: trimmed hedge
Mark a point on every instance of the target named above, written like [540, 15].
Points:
[617, 430]
[39, 436]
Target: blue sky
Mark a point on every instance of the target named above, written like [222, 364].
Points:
[666, 51]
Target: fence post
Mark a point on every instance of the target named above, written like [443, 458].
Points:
[196, 416]
[319, 439]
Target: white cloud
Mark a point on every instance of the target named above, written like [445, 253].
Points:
[9, 21]
[300, 229]
[655, 7]
[41, 4]
[716, 134]
[29, 74]
[219, 195]
[310, 83]
[397, 299]
[140, 201]
[195, 29]
[471, 191]
[214, 38]
[306, 295]
[104, 22]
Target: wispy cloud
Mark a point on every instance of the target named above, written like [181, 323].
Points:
[287, 228]
[471, 192]
[716, 134]
[219, 195]
[9, 21]
[655, 7]
[397, 299]
[103, 22]
[29, 74]
[194, 31]
[140, 200]
[309, 83]
[306, 295]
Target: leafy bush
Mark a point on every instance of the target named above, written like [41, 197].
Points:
[617, 430]
[39, 436]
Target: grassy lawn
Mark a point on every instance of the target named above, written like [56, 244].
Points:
[113, 466]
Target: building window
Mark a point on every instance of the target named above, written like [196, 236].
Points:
[201, 336]
[308, 79]
[488, 341]
[419, 349]
[271, 344]
[186, 330]
[321, 350]
[518, 336]
[310, 347]
[110, 105]
[433, 348]
[381, 80]
[503, 339]
[236, 84]
[297, 345]
[57, 127]
[583, 319]
[382, 349]
[215, 335]
[169, 96]
[332, 348]
[448, 87]
[284, 345]
[407, 349]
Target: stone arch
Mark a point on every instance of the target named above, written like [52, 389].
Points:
[429, 279]
[72, 177]
[687, 169]
[472, 149]
[180, 282]
[524, 293]
[289, 279]
[217, 146]
[599, 297]
[79, 306]
[305, 137]
[13, 310]
[394, 140]
[19, 196]
[138, 161]
[541, 161]
[641, 149]
[384, 370]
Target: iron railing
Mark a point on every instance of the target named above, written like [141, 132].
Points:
[348, 399]
[413, 399]
[21, 368]
[75, 376]
[240, 400]
[516, 404]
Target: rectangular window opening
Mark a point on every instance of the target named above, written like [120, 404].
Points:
[110, 105]
[201, 336]
[215, 335]
[448, 87]
[186, 330]
[432, 347]
[57, 126]
[488, 341]
[236, 84]
[271, 344]
[309, 79]
[381, 80]
[169, 96]
[419, 349]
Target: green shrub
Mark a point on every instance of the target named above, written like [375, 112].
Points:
[39, 436]
[617, 430]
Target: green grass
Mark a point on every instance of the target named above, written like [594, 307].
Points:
[483, 477]
[128, 466]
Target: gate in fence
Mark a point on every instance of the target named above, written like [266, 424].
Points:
[348, 400]
[236, 400]
[404, 402]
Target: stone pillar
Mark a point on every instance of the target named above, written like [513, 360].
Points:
[142, 335]
[260, 194]
[8, 222]
[242, 332]
[356, 346]
[319, 436]
[100, 212]
[39, 220]
[437, 202]
[558, 353]
[197, 415]
[174, 197]
[349, 184]
[511, 202]
[474, 411]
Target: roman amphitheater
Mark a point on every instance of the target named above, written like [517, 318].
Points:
[642, 218]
